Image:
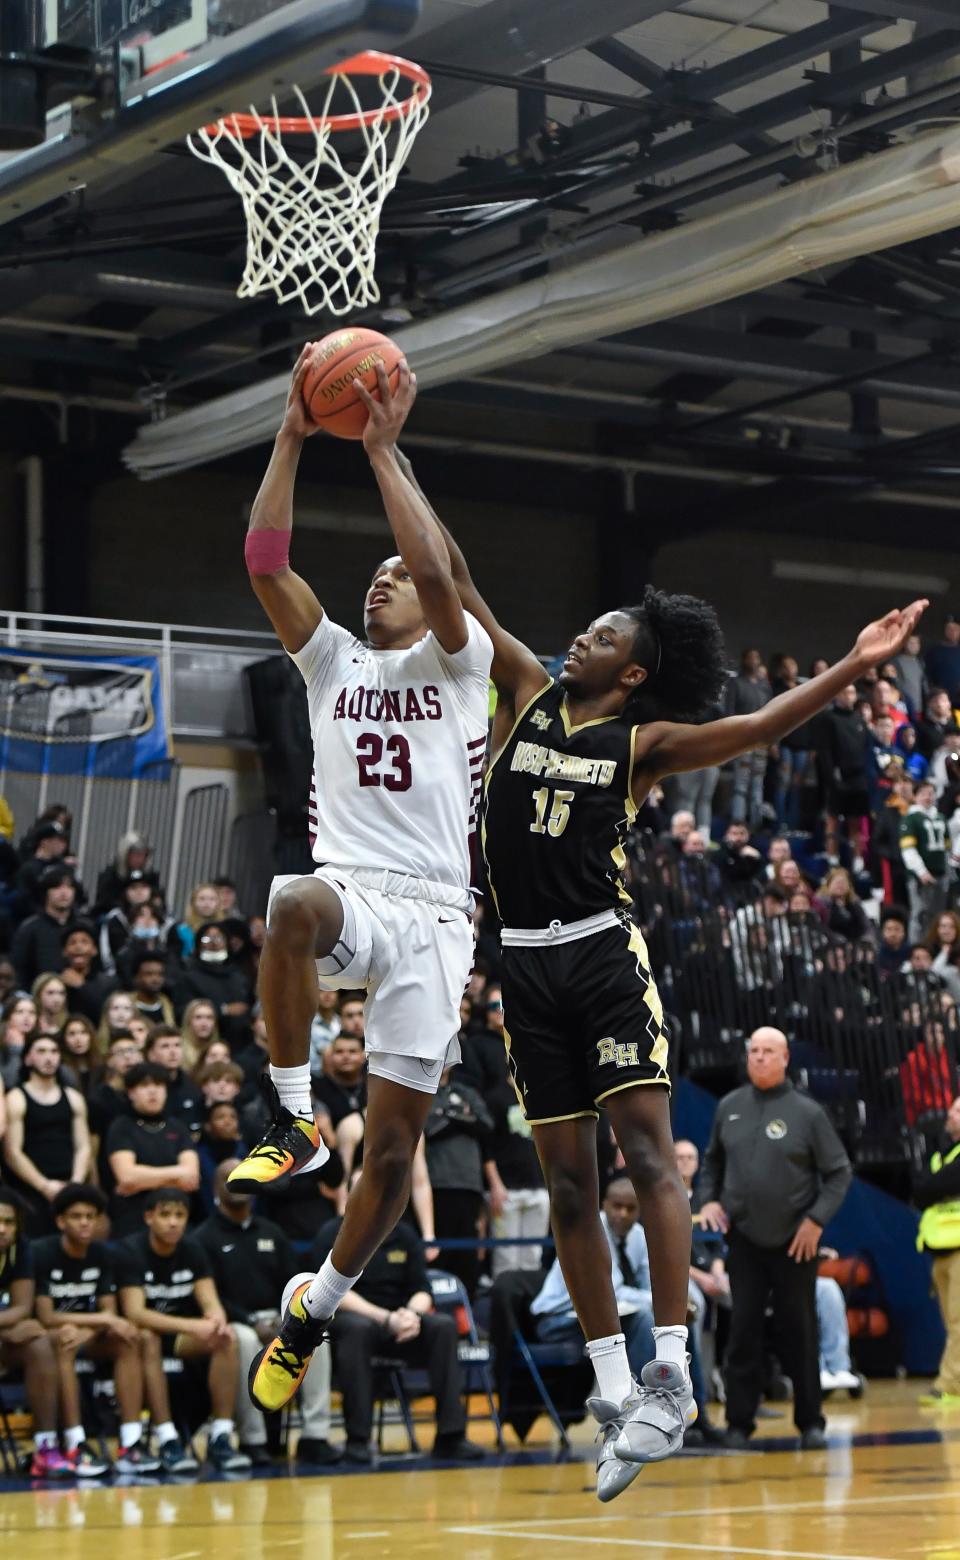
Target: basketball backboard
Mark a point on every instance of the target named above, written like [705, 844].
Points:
[153, 25]
[128, 77]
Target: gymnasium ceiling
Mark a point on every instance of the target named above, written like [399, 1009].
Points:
[126, 300]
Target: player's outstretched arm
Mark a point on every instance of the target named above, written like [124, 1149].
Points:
[287, 599]
[414, 528]
[664, 748]
[516, 672]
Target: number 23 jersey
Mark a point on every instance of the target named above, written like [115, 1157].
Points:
[399, 738]
[556, 812]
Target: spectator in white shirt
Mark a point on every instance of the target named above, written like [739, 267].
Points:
[630, 1266]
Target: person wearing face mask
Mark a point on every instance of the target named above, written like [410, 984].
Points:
[117, 928]
[202, 906]
[209, 973]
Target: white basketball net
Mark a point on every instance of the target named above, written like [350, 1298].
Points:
[317, 243]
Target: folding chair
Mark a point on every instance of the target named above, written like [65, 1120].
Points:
[519, 1354]
[475, 1356]
[391, 1373]
[538, 1357]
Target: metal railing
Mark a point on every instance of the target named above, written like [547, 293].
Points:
[879, 1047]
[203, 691]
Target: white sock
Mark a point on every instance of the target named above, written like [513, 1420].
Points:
[73, 1437]
[220, 1427]
[45, 1440]
[608, 1356]
[166, 1432]
[327, 1290]
[129, 1434]
[293, 1086]
[671, 1345]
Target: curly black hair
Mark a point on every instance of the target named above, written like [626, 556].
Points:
[680, 643]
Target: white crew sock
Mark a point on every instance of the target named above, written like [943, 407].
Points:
[327, 1290]
[671, 1345]
[73, 1437]
[220, 1427]
[129, 1434]
[45, 1440]
[293, 1086]
[608, 1356]
[166, 1432]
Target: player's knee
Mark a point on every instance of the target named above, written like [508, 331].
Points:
[38, 1348]
[388, 1161]
[64, 1345]
[569, 1197]
[295, 919]
[149, 1344]
[647, 1165]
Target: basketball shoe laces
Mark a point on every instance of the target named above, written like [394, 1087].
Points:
[283, 1136]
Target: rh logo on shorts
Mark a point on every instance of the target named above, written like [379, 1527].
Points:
[614, 1053]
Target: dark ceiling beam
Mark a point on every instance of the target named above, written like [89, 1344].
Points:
[677, 344]
[669, 86]
[629, 62]
[821, 311]
[695, 144]
[512, 37]
[98, 356]
[768, 59]
[558, 89]
[832, 385]
[942, 12]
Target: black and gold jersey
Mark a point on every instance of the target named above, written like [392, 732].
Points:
[557, 807]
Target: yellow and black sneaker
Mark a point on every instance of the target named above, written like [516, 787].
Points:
[277, 1371]
[291, 1144]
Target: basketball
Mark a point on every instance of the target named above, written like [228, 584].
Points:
[339, 360]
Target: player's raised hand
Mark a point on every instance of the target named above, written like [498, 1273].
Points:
[880, 640]
[386, 417]
[296, 422]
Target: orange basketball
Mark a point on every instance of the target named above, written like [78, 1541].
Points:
[868, 1323]
[339, 360]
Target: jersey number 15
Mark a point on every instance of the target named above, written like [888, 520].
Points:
[555, 824]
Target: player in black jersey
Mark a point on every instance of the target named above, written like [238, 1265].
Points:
[571, 763]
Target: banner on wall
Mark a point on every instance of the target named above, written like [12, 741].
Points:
[80, 715]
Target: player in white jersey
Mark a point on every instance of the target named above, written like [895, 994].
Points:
[399, 727]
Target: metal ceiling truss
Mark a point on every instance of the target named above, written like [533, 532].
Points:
[880, 332]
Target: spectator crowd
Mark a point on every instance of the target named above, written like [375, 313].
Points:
[812, 887]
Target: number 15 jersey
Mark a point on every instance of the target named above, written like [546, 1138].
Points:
[557, 809]
[399, 738]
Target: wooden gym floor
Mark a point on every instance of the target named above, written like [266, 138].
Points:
[888, 1488]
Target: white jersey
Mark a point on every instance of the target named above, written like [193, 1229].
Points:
[399, 738]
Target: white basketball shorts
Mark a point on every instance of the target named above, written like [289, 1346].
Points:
[412, 957]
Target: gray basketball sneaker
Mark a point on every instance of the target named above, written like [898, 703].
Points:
[654, 1420]
[613, 1475]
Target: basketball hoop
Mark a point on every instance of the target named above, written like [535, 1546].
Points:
[314, 243]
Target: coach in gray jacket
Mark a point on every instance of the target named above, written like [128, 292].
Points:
[774, 1174]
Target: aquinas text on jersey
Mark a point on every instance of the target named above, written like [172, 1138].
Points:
[386, 705]
[529, 758]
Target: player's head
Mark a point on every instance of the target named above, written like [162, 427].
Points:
[76, 1209]
[392, 614]
[667, 652]
[10, 1219]
[165, 1214]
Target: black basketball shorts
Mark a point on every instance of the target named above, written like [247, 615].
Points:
[583, 1020]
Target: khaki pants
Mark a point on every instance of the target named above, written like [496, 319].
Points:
[946, 1280]
[313, 1398]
